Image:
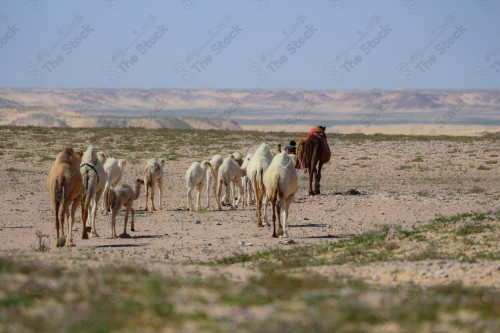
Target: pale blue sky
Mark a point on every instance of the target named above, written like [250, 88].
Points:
[348, 44]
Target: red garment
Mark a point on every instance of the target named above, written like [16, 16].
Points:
[320, 133]
[316, 130]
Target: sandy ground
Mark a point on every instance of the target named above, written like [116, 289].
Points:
[404, 183]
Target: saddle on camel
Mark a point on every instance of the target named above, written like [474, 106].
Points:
[314, 152]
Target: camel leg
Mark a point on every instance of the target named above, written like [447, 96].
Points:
[160, 189]
[311, 171]
[147, 193]
[240, 188]
[71, 219]
[258, 203]
[284, 219]
[132, 210]
[94, 213]
[153, 196]
[219, 190]
[198, 197]
[280, 218]
[273, 205]
[209, 180]
[189, 205]
[228, 195]
[56, 219]
[105, 193]
[62, 214]
[113, 225]
[124, 234]
[85, 216]
[251, 193]
[265, 204]
[318, 179]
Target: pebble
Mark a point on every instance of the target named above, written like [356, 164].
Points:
[286, 241]
[197, 222]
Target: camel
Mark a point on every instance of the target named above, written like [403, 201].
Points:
[122, 195]
[114, 173]
[314, 152]
[255, 170]
[230, 173]
[66, 188]
[215, 162]
[154, 175]
[281, 183]
[195, 177]
[94, 179]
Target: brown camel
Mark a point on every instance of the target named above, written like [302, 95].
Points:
[314, 152]
[66, 188]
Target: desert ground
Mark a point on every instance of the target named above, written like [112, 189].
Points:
[437, 197]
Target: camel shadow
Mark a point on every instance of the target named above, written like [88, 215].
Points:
[146, 236]
[308, 225]
[324, 237]
[120, 245]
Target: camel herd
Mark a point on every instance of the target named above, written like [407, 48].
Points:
[81, 179]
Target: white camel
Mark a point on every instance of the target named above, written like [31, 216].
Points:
[195, 177]
[229, 173]
[255, 169]
[281, 183]
[247, 184]
[153, 175]
[94, 179]
[114, 173]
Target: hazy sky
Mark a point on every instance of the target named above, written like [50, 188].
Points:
[310, 44]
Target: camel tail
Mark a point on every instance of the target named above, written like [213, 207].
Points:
[259, 178]
[110, 198]
[274, 190]
[57, 193]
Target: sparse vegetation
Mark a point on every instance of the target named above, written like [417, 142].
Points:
[308, 286]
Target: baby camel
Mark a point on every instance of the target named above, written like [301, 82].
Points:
[66, 188]
[154, 175]
[195, 177]
[122, 195]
